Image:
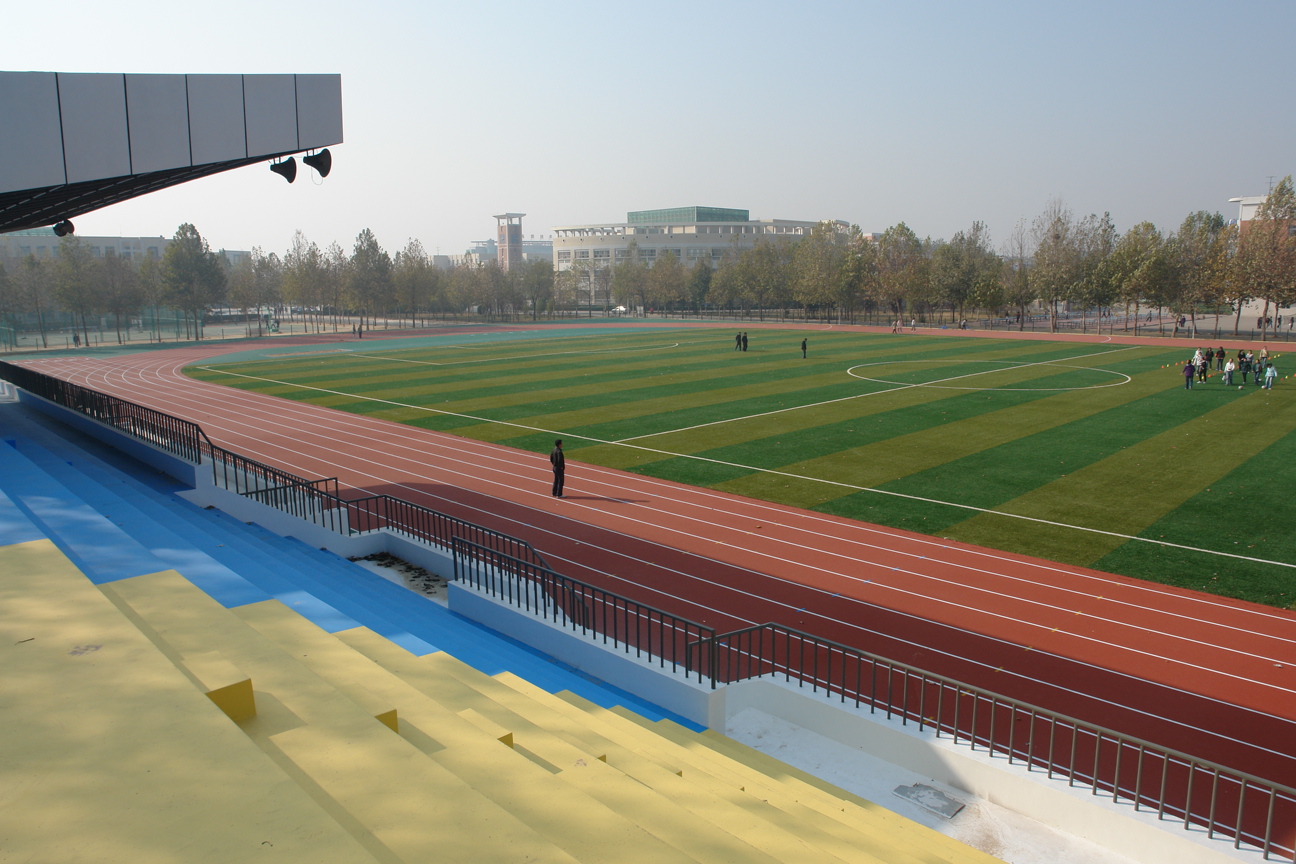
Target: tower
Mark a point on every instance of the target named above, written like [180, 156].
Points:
[509, 240]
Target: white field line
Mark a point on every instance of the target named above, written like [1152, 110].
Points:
[774, 472]
[894, 389]
[1094, 696]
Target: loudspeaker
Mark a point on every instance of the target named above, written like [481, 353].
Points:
[64, 228]
[286, 169]
[321, 161]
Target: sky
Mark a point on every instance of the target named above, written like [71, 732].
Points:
[931, 113]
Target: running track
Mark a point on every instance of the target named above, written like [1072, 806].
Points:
[1206, 675]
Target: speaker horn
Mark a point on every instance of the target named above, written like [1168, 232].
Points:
[286, 169]
[321, 161]
[64, 228]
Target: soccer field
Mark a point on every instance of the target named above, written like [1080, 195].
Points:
[1092, 454]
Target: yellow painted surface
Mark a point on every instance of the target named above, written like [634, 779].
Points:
[224, 684]
[108, 752]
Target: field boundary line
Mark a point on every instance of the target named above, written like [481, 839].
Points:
[771, 471]
[895, 389]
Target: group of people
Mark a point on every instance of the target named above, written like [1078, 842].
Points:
[740, 341]
[1246, 363]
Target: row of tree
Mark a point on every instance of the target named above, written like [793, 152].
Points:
[1053, 263]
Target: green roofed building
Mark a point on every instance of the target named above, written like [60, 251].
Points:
[686, 214]
[691, 234]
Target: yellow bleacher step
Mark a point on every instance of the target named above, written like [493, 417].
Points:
[706, 812]
[859, 843]
[108, 752]
[474, 747]
[835, 811]
[725, 808]
[818, 794]
[415, 807]
[224, 684]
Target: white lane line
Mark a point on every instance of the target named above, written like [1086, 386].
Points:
[935, 650]
[774, 472]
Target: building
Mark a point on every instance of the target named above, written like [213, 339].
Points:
[72, 143]
[692, 234]
[508, 240]
[44, 243]
[485, 251]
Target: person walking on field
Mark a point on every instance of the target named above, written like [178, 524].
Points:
[1219, 359]
[803, 349]
[1189, 370]
[744, 340]
[1271, 375]
[738, 341]
[1228, 373]
[559, 464]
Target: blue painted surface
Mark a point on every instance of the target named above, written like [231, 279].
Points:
[115, 518]
[15, 527]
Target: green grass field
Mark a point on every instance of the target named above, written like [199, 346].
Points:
[1075, 452]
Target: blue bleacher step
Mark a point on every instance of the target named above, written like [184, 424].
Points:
[100, 549]
[165, 549]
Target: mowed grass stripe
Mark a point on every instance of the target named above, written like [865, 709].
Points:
[843, 432]
[1152, 478]
[995, 475]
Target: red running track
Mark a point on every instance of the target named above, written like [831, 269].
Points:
[1209, 676]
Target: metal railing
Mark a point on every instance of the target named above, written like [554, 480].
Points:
[182, 438]
[1202, 794]
[626, 625]
[1176, 785]
[317, 501]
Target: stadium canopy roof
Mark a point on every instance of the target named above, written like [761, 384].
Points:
[71, 143]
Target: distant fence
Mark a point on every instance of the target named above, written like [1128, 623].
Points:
[1227, 803]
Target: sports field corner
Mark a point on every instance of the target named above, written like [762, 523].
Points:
[1087, 453]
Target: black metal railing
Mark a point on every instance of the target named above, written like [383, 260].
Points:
[182, 438]
[1202, 794]
[1176, 785]
[626, 625]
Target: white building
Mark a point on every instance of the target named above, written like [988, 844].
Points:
[44, 243]
[692, 234]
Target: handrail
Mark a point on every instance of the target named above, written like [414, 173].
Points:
[627, 625]
[1085, 754]
[182, 438]
[510, 569]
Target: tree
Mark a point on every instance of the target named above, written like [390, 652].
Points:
[1018, 284]
[630, 278]
[1056, 265]
[9, 307]
[415, 279]
[75, 274]
[1139, 268]
[817, 267]
[667, 280]
[148, 278]
[537, 283]
[369, 279]
[962, 266]
[1266, 259]
[192, 276]
[119, 290]
[902, 268]
[302, 275]
[699, 284]
[1200, 250]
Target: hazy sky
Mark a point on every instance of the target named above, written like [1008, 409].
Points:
[935, 114]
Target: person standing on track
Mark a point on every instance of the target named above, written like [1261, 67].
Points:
[803, 349]
[559, 464]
